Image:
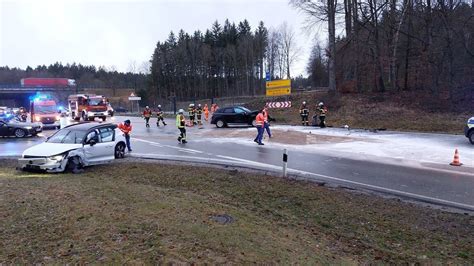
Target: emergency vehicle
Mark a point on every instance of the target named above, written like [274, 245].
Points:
[87, 107]
[44, 109]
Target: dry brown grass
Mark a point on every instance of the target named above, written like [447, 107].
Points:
[147, 213]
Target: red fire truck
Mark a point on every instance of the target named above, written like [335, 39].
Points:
[87, 107]
[44, 109]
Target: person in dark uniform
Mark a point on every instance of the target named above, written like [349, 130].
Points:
[159, 116]
[304, 113]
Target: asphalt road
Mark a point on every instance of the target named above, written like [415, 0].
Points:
[436, 186]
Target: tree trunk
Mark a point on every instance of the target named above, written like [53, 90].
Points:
[332, 45]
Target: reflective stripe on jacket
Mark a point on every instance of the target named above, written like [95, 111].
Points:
[180, 121]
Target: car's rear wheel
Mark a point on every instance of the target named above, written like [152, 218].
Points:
[104, 118]
[220, 123]
[471, 137]
[19, 133]
[254, 123]
[120, 151]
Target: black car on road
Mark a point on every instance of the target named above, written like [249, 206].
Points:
[19, 129]
[233, 115]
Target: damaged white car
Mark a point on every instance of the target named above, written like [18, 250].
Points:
[75, 147]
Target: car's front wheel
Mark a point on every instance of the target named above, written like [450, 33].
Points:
[120, 151]
[74, 165]
[19, 133]
[104, 118]
[471, 137]
[220, 123]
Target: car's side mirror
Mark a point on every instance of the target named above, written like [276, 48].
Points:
[92, 142]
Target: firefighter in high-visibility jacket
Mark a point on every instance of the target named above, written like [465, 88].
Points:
[198, 111]
[181, 124]
[147, 116]
[206, 112]
[191, 113]
[159, 116]
[322, 111]
[259, 124]
[304, 113]
[126, 128]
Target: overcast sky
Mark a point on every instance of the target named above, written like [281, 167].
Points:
[117, 32]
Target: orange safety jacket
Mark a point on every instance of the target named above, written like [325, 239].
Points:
[265, 115]
[147, 113]
[260, 119]
[124, 128]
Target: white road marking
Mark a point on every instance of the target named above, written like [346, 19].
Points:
[383, 189]
[168, 146]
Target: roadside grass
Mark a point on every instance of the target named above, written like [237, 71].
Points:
[405, 112]
[140, 212]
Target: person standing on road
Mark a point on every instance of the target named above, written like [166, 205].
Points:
[206, 112]
[266, 124]
[260, 120]
[147, 116]
[159, 116]
[126, 128]
[322, 110]
[181, 124]
[191, 112]
[304, 113]
[199, 115]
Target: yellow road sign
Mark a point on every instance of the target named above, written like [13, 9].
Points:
[278, 87]
[278, 83]
[278, 91]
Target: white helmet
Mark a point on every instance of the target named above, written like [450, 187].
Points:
[180, 111]
[304, 102]
[159, 105]
[147, 107]
[321, 104]
[199, 105]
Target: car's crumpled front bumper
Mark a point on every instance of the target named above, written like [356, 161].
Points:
[42, 164]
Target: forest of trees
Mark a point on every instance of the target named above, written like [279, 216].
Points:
[226, 60]
[85, 76]
[395, 44]
[383, 45]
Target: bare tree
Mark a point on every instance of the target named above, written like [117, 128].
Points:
[316, 12]
[289, 48]
[273, 52]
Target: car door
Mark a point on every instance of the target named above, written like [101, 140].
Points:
[107, 143]
[4, 131]
[240, 116]
[103, 149]
[229, 115]
[91, 150]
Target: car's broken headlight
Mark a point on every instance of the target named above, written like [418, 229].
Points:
[58, 158]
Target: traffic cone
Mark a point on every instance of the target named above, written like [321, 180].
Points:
[456, 161]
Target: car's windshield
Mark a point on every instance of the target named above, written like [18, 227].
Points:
[68, 136]
[245, 109]
[96, 101]
[45, 109]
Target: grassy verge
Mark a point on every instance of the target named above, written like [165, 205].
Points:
[147, 213]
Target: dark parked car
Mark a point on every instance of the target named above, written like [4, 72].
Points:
[120, 110]
[19, 129]
[233, 115]
[469, 130]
